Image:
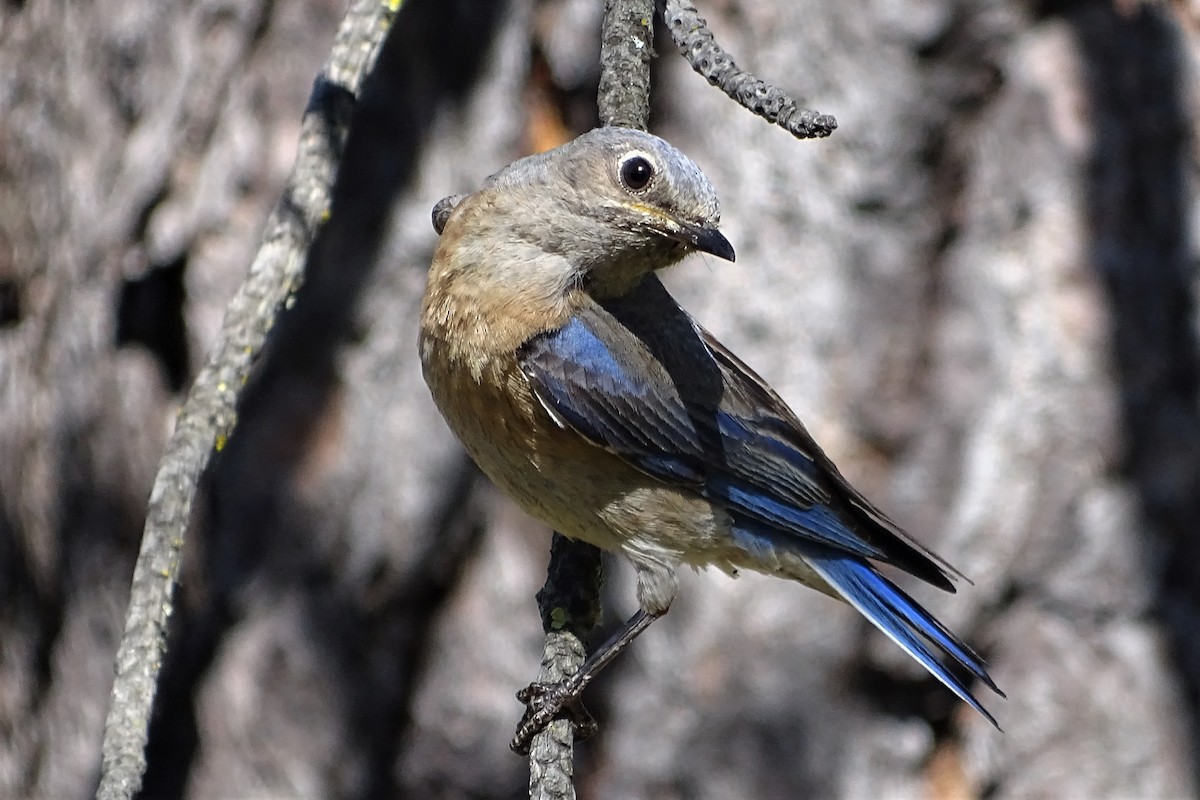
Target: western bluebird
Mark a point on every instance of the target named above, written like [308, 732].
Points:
[587, 394]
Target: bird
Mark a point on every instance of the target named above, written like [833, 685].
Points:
[585, 392]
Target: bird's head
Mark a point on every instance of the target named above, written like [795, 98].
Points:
[615, 203]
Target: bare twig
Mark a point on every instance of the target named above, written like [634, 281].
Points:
[570, 599]
[626, 49]
[570, 606]
[695, 41]
[208, 416]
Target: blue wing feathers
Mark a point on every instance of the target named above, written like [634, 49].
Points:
[668, 399]
[723, 456]
[819, 522]
[679, 410]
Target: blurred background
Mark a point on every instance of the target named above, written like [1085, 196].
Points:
[979, 294]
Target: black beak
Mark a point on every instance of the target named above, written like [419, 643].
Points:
[707, 240]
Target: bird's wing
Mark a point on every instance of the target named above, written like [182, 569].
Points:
[595, 379]
[886, 605]
[640, 379]
[751, 393]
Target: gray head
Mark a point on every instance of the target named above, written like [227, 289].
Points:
[617, 203]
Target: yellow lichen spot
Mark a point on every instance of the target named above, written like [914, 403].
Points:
[394, 5]
[222, 440]
[558, 618]
[325, 215]
[222, 387]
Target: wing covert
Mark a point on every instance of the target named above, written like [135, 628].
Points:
[661, 406]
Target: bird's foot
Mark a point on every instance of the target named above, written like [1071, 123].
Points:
[545, 702]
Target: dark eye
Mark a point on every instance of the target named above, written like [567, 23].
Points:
[636, 173]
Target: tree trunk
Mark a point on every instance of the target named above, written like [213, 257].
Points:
[978, 294]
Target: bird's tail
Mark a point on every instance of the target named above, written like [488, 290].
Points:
[904, 622]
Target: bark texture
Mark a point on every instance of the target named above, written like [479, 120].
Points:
[979, 293]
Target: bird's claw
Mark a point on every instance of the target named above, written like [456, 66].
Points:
[545, 702]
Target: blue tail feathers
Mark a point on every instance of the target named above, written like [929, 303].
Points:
[904, 622]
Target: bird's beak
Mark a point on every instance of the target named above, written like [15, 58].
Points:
[707, 240]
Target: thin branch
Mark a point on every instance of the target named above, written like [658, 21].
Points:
[570, 599]
[209, 415]
[570, 607]
[626, 49]
[696, 43]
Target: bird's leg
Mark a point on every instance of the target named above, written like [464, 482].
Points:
[546, 701]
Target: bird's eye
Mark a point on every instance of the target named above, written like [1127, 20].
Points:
[636, 173]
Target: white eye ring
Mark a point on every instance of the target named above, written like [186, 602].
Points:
[636, 172]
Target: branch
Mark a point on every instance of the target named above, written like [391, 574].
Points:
[570, 600]
[569, 603]
[626, 48]
[696, 43]
[209, 414]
